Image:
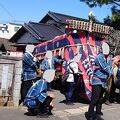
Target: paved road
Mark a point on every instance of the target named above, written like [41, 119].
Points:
[62, 111]
[110, 113]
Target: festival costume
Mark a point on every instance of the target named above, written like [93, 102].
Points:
[70, 82]
[37, 99]
[49, 63]
[99, 84]
[28, 73]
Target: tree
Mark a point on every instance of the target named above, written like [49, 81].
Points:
[94, 3]
[114, 20]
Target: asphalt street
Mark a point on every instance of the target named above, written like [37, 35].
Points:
[61, 111]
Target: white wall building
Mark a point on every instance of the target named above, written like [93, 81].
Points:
[8, 30]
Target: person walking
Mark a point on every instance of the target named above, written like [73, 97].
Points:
[99, 83]
[28, 71]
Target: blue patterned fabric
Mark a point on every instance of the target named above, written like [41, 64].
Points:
[29, 67]
[37, 93]
[45, 64]
[101, 74]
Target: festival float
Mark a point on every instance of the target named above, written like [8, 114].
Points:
[84, 37]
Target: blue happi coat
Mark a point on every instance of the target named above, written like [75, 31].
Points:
[102, 71]
[37, 93]
[29, 67]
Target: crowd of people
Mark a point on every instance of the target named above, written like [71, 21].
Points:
[35, 90]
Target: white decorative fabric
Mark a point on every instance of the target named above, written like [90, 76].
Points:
[74, 66]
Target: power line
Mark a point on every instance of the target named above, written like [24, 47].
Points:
[13, 18]
[3, 7]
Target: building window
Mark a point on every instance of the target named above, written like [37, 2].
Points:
[16, 29]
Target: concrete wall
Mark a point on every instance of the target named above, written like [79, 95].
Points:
[13, 74]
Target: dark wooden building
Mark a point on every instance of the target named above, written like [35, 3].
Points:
[51, 25]
[34, 33]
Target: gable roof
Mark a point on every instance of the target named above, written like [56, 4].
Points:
[39, 31]
[45, 31]
[61, 18]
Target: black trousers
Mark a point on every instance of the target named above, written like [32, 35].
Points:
[96, 99]
[25, 86]
[45, 106]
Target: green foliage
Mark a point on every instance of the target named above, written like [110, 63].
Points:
[94, 3]
[114, 20]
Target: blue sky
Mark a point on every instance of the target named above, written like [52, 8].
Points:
[35, 10]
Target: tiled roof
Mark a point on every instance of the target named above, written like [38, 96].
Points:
[61, 18]
[37, 32]
[42, 31]
[45, 31]
[27, 38]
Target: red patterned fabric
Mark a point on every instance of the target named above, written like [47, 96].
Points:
[88, 44]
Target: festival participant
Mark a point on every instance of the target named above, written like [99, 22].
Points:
[116, 68]
[28, 71]
[73, 69]
[110, 84]
[49, 63]
[38, 100]
[116, 81]
[99, 83]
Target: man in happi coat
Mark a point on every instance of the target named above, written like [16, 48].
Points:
[38, 100]
[99, 83]
[28, 70]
